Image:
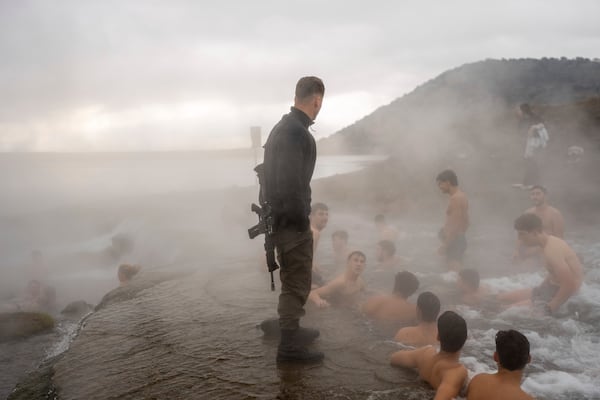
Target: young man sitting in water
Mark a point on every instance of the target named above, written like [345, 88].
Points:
[565, 274]
[386, 256]
[441, 369]
[512, 354]
[426, 332]
[344, 288]
[471, 291]
[395, 307]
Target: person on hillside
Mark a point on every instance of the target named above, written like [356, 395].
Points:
[441, 369]
[289, 163]
[511, 355]
[565, 273]
[537, 139]
[426, 331]
[345, 289]
[395, 308]
[452, 234]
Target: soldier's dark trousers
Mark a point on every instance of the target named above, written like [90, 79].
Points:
[295, 254]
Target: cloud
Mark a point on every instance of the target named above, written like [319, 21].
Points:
[234, 63]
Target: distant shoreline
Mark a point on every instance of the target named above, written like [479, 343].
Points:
[212, 152]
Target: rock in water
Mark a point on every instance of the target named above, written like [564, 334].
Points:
[77, 309]
[23, 324]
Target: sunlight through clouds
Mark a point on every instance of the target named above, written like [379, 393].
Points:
[81, 76]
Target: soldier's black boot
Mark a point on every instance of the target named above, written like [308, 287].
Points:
[304, 336]
[290, 350]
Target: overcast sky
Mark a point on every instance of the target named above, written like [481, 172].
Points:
[185, 75]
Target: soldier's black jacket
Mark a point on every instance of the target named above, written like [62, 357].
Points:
[289, 162]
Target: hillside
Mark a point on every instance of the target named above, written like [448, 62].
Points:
[461, 108]
[466, 119]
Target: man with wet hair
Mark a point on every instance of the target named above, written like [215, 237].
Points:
[289, 162]
[385, 231]
[441, 369]
[344, 289]
[552, 221]
[471, 291]
[339, 243]
[319, 216]
[395, 307]
[452, 235]
[426, 332]
[565, 274]
[386, 255]
[512, 355]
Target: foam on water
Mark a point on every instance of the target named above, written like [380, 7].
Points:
[565, 350]
[549, 384]
[513, 282]
[67, 330]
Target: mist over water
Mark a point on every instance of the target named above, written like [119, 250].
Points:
[157, 76]
[86, 214]
[36, 182]
[203, 288]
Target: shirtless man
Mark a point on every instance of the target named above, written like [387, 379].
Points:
[346, 287]
[426, 332]
[339, 242]
[471, 290]
[512, 354]
[395, 307]
[565, 274]
[452, 234]
[319, 216]
[386, 256]
[552, 221]
[440, 369]
[385, 231]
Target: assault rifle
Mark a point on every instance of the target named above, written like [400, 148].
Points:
[265, 225]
